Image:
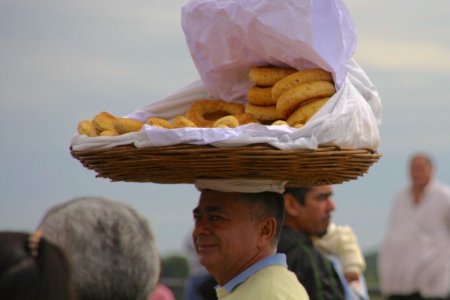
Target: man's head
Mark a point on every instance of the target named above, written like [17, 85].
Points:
[309, 209]
[421, 170]
[234, 230]
[111, 245]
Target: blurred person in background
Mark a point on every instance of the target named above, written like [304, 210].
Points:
[32, 268]
[318, 251]
[112, 248]
[235, 236]
[414, 258]
[161, 291]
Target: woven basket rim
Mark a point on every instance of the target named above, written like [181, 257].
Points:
[184, 163]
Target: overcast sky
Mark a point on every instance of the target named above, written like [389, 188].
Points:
[64, 61]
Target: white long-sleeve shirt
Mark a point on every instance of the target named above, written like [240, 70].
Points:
[415, 254]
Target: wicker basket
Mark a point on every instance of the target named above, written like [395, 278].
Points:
[185, 163]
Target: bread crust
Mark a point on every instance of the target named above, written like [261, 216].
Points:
[125, 125]
[260, 96]
[299, 94]
[263, 113]
[85, 127]
[268, 75]
[305, 112]
[298, 78]
[104, 121]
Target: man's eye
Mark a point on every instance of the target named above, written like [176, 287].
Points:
[215, 218]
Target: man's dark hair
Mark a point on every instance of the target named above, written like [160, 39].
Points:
[266, 204]
[298, 193]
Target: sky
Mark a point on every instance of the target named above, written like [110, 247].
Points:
[64, 61]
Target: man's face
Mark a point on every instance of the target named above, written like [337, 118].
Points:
[315, 215]
[421, 172]
[224, 235]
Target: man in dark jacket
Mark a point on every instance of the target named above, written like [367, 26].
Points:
[308, 214]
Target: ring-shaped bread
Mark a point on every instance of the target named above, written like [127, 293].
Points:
[181, 122]
[306, 111]
[226, 122]
[124, 125]
[103, 121]
[85, 127]
[262, 113]
[268, 75]
[296, 96]
[205, 112]
[159, 122]
[279, 123]
[260, 96]
[298, 78]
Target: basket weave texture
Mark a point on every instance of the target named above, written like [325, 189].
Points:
[186, 163]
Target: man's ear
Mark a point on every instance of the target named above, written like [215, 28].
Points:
[291, 205]
[267, 229]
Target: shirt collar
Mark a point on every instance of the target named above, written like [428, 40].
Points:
[272, 260]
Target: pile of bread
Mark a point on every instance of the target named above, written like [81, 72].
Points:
[279, 96]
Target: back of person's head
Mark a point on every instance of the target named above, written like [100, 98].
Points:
[33, 269]
[112, 246]
[266, 204]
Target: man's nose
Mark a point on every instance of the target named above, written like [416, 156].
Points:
[331, 205]
[201, 227]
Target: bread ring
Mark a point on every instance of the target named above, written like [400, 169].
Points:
[205, 112]
[226, 122]
[246, 119]
[109, 133]
[158, 122]
[260, 96]
[103, 121]
[85, 127]
[298, 78]
[181, 121]
[306, 111]
[297, 95]
[124, 125]
[279, 123]
[262, 113]
[268, 75]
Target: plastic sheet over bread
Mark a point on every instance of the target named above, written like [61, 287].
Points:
[227, 38]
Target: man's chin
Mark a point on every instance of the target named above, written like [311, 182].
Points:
[207, 261]
[321, 233]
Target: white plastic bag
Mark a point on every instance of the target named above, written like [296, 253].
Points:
[226, 38]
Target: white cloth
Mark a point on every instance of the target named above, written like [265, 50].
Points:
[415, 254]
[241, 185]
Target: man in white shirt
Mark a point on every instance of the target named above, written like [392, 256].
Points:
[414, 259]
